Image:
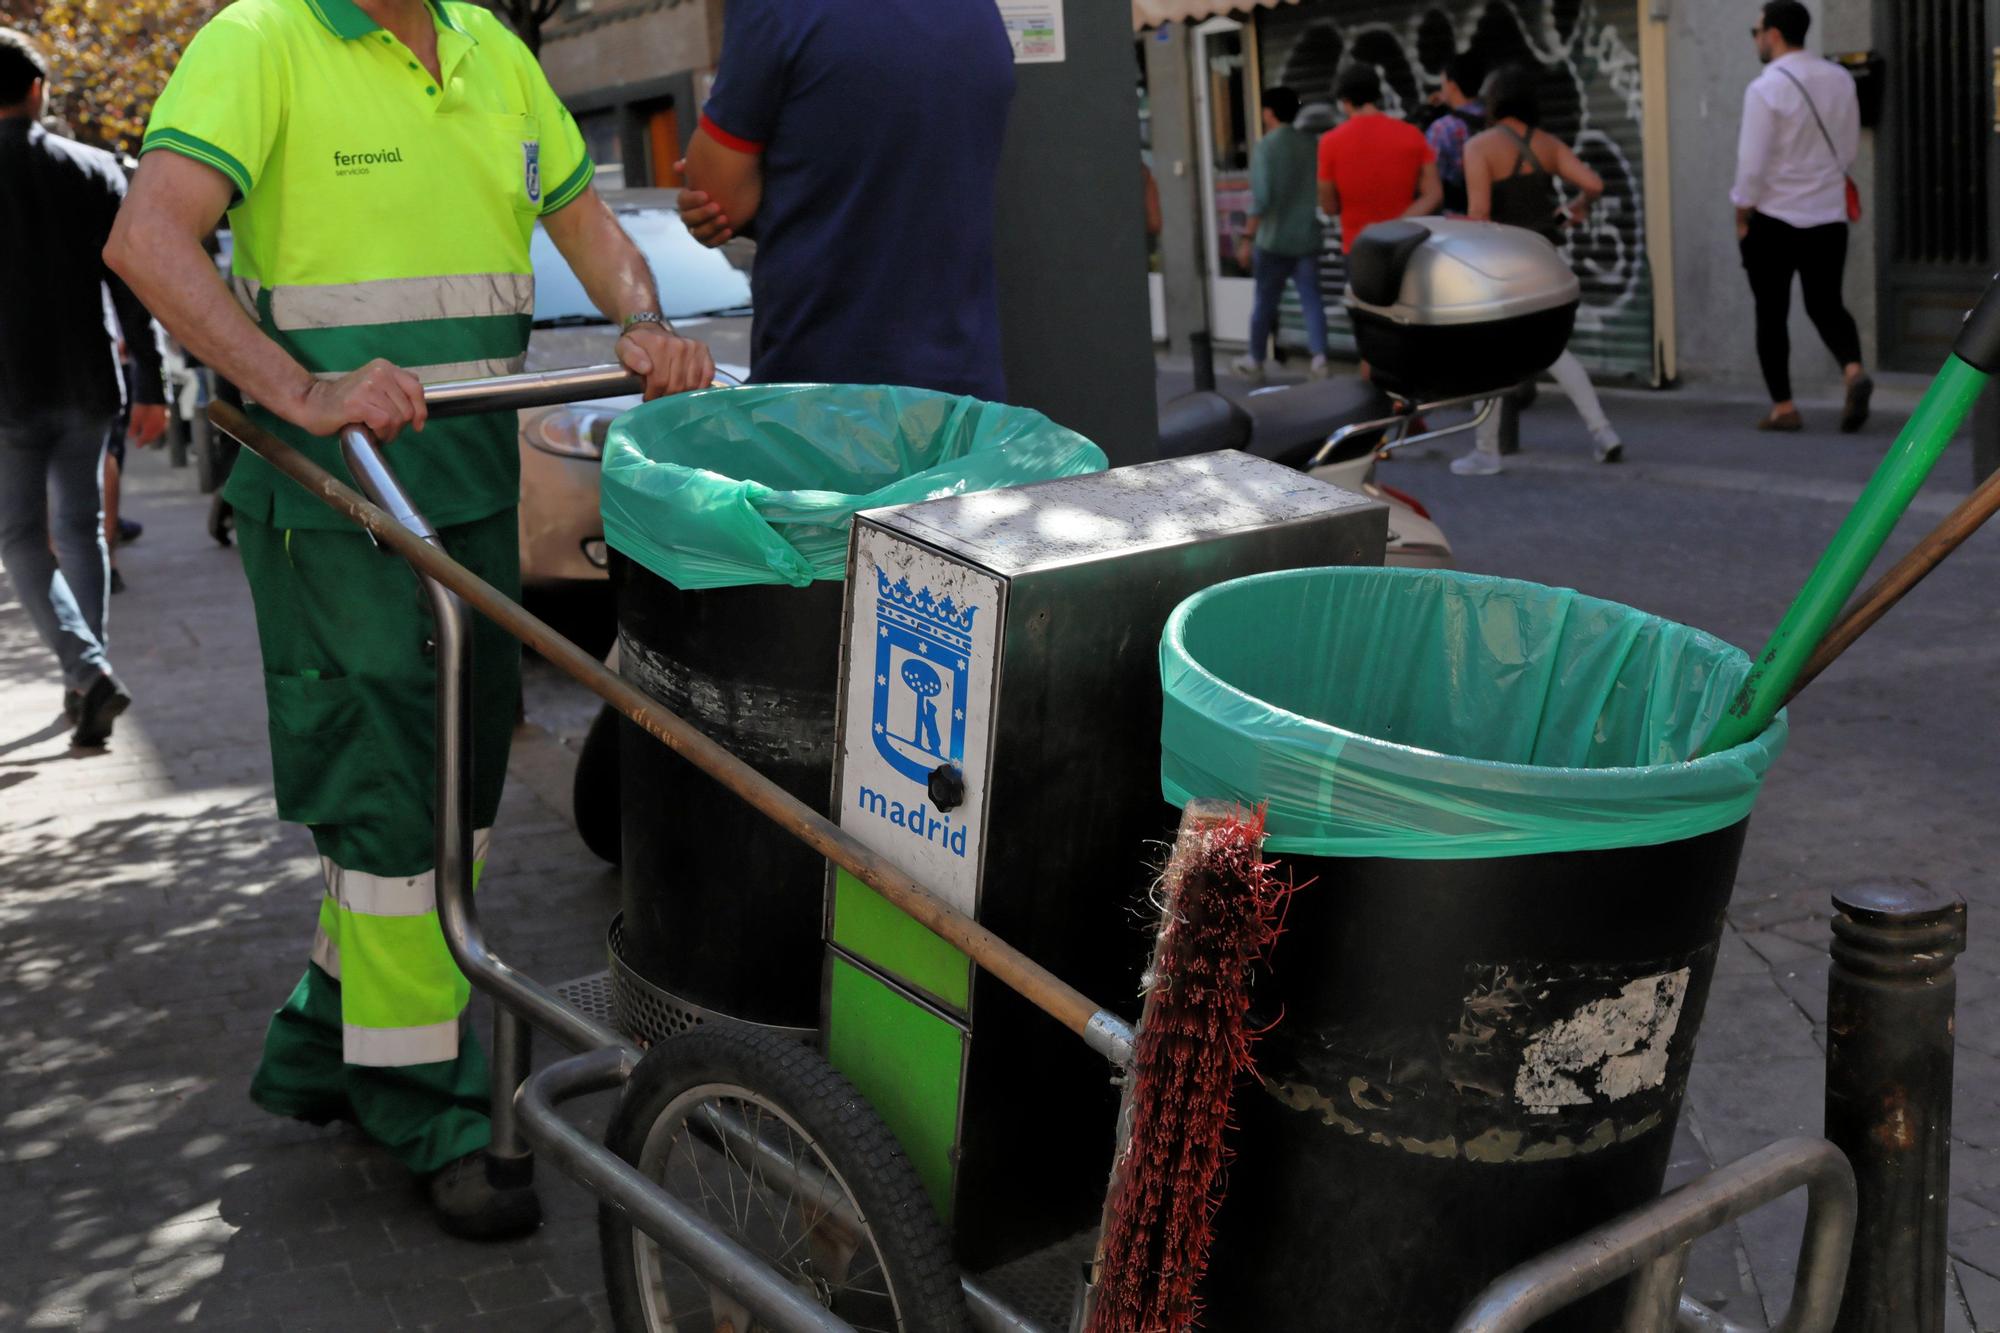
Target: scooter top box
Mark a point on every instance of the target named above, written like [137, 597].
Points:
[999, 741]
[1447, 307]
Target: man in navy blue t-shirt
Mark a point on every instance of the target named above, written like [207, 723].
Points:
[858, 141]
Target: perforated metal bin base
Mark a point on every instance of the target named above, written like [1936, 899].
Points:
[592, 995]
[648, 1013]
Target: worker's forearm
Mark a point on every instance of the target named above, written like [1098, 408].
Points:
[176, 280]
[603, 258]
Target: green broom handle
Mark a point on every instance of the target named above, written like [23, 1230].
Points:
[1974, 359]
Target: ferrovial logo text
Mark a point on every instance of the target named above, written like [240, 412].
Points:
[360, 164]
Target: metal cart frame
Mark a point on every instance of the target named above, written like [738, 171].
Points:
[526, 1118]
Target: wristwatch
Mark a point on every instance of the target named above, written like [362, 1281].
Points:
[644, 317]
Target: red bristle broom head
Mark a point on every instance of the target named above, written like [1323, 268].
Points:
[1221, 909]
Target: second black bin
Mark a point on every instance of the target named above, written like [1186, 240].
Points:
[720, 911]
[1480, 1017]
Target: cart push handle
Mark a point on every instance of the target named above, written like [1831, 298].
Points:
[542, 388]
[397, 525]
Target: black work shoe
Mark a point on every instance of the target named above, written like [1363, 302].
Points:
[98, 709]
[473, 1202]
[129, 530]
[72, 706]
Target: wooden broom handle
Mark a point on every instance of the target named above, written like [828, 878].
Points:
[1904, 575]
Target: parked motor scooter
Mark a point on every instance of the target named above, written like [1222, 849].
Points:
[1331, 429]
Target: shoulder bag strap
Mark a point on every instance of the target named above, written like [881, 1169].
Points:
[1815, 115]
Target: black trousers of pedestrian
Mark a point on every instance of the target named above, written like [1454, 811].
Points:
[1772, 253]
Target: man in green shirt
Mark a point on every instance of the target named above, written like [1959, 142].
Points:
[1281, 242]
[383, 164]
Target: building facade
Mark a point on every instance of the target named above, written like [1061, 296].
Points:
[1650, 92]
[634, 73]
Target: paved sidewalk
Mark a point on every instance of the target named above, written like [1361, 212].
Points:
[152, 910]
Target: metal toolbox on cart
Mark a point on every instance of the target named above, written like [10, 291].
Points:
[999, 739]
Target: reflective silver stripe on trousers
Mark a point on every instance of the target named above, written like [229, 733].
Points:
[393, 300]
[394, 1047]
[389, 895]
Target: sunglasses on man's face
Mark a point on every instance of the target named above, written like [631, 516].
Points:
[1757, 31]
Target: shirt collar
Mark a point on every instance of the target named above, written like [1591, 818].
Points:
[347, 20]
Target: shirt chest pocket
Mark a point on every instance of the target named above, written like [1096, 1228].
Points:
[504, 155]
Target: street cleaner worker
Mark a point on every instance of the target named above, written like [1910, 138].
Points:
[859, 142]
[383, 164]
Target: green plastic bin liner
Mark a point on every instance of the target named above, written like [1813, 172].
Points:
[1428, 714]
[728, 487]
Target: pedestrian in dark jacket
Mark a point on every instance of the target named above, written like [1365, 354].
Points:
[60, 384]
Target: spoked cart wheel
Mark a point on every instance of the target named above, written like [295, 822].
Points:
[773, 1147]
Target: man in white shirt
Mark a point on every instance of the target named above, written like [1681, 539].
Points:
[1801, 130]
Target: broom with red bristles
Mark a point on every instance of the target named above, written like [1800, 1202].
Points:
[1221, 910]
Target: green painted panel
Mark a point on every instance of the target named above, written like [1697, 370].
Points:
[908, 1061]
[866, 925]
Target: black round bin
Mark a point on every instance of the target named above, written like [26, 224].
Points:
[1477, 1044]
[720, 912]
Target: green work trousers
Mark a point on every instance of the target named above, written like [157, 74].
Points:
[373, 1033]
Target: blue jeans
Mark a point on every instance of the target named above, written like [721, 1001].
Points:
[50, 478]
[1271, 272]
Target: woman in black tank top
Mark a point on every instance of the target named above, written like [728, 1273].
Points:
[1511, 169]
[1510, 177]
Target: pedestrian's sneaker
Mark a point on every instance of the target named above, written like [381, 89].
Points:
[1318, 368]
[1478, 463]
[472, 1203]
[1249, 370]
[1606, 444]
[72, 706]
[100, 706]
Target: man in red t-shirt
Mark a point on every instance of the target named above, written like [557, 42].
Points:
[1373, 167]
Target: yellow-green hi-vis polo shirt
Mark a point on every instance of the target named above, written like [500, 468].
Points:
[379, 213]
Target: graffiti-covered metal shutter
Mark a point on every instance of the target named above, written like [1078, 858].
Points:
[1588, 52]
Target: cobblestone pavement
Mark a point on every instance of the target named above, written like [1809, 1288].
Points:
[152, 910]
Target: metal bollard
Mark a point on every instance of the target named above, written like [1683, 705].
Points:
[1890, 998]
[1510, 423]
[1201, 354]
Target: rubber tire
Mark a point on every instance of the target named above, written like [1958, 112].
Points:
[915, 1247]
[596, 792]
